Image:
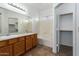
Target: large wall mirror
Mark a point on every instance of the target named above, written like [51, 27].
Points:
[14, 23]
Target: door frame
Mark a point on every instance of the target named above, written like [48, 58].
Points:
[74, 31]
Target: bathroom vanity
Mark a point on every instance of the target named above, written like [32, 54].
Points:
[14, 45]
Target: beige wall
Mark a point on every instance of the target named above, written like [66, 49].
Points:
[45, 27]
[46, 32]
[29, 26]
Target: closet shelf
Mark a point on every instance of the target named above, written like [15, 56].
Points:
[65, 30]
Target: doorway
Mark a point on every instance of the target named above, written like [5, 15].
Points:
[65, 34]
[65, 27]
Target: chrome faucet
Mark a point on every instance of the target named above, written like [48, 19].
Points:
[7, 34]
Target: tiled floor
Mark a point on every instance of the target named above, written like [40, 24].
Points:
[46, 51]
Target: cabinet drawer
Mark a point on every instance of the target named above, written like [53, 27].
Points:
[12, 41]
[22, 39]
[3, 43]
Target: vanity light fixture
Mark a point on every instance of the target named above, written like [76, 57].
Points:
[14, 5]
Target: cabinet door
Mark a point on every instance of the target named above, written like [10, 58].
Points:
[6, 51]
[19, 48]
[34, 40]
[28, 43]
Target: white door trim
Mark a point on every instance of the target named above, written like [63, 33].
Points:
[54, 30]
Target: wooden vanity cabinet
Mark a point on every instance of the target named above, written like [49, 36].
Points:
[28, 42]
[19, 47]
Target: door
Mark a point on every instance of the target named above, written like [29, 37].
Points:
[34, 40]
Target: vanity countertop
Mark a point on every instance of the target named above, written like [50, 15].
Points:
[14, 36]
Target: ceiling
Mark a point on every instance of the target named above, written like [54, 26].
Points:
[34, 8]
[38, 6]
